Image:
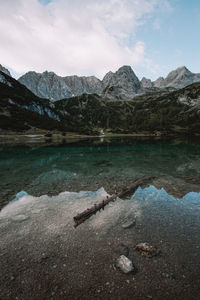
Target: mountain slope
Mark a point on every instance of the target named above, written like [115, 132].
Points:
[21, 110]
[158, 112]
[51, 86]
[4, 70]
[179, 78]
[168, 113]
[122, 84]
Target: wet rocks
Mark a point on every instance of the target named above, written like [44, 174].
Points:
[124, 264]
[129, 224]
[147, 249]
[20, 218]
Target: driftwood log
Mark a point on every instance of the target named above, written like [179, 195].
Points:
[80, 218]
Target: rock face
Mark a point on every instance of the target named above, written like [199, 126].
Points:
[122, 84]
[146, 83]
[54, 87]
[84, 85]
[4, 70]
[159, 83]
[179, 78]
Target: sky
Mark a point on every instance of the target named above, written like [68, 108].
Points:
[92, 37]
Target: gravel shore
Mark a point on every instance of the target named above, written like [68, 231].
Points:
[42, 256]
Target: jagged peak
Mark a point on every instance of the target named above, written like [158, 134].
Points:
[144, 79]
[179, 70]
[48, 73]
[4, 70]
[125, 69]
[159, 79]
[183, 68]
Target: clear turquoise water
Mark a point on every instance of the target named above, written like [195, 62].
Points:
[171, 224]
[88, 165]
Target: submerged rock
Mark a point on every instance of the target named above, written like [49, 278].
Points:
[128, 224]
[20, 218]
[146, 249]
[124, 264]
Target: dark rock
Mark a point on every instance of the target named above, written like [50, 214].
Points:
[129, 224]
[147, 249]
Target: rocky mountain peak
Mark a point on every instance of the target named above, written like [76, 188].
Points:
[4, 70]
[146, 83]
[127, 72]
[181, 71]
[54, 87]
[123, 84]
[180, 77]
[159, 83]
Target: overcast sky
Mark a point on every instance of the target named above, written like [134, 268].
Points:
[91, 37]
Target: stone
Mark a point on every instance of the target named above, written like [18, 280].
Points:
[20, 218]
[146, 249]
[124, 264]
[128, 224]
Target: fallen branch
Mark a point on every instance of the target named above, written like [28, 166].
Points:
[80, 218]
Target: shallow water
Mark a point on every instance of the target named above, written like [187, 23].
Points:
[90, 164]
[40, 247]
[46, 256]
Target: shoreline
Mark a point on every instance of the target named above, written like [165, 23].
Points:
[44, 257]
[45, 138]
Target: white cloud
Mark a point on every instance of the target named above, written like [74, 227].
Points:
[83, 37]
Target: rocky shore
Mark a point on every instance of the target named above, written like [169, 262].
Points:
[43, 257]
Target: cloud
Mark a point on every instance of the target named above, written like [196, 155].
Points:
[72, 37]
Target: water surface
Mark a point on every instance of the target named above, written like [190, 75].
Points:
[40, 247]
[91, 164]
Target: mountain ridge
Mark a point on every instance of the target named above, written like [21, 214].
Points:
[159, 112]
[122, 84]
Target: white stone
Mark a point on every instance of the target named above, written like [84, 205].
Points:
[124, 264]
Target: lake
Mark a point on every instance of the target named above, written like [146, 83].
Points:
[94, 163]
[50, 184]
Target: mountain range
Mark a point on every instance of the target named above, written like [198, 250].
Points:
[153, 110]
[123, 84]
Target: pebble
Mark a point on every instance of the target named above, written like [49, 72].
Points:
[124, 264]
[129, 224]
[146, 249]
[20, 218]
